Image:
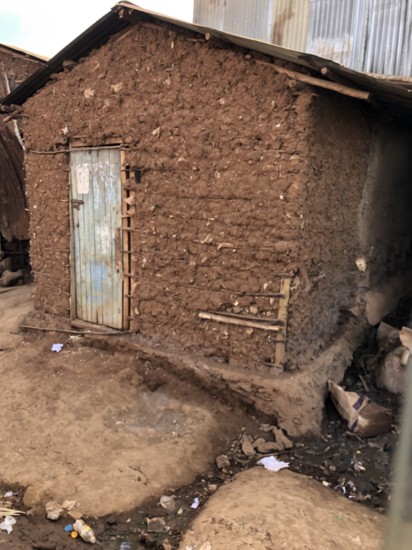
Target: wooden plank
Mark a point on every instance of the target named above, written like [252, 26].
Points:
[318, 82]
[239, 322]
[125, 244]
[269, 320]
[283, 316]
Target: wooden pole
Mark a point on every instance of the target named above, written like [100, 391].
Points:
[318, 82]
[238, 322]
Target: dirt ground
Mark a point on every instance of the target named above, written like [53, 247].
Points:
[88, 425]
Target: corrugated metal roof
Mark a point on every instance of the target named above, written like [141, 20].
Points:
[385, 92]
[373, 36]
[24, 53]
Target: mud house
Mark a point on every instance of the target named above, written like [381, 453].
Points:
[219, 196]
[15, 66]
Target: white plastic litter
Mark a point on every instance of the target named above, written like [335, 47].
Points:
[195, 504]
[7, 524]
[57, 347]
[272, 463]
[8, 494]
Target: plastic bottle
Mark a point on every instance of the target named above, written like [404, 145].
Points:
[85, 531]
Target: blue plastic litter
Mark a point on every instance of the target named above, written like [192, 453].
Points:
[69, 528]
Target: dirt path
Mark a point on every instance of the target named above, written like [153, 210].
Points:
[81, 424]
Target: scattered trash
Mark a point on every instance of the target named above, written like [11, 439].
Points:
[125, 546]
[57, 347]
[180, 511]
[8, 494]
[54, 510]
[156, 525]
[7, 524]
[363, 416]
[272, 464]
[168, 503]
[10, 512]
[195, 504]
[85, 531]
[69, 528]
[74, 534]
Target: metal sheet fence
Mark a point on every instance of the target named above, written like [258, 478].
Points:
[366, 35]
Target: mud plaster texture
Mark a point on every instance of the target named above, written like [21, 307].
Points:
[17, 67]
[289, 511]
[243, 180]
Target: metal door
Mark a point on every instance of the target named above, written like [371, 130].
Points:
[96, 220]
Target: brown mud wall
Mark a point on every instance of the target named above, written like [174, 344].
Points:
[17, 67]
[244, 179]
[339, 141]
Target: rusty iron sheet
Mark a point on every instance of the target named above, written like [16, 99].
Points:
[13, 213]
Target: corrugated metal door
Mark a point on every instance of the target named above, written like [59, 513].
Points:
[96, 220]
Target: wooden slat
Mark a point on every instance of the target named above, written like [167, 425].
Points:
[269, 320]
[239, 322]
[125, 224]
[283, 316]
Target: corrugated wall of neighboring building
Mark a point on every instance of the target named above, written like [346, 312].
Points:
[366, 35]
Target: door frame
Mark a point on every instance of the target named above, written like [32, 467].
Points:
[124, 240]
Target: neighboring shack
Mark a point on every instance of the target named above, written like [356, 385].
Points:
[181, 188]
[15, 66]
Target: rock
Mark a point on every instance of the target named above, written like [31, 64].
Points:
[387, 335]
[206, 546]
[9, 277]
[247, 446]
[390, 375]
[258, 441]
[54, 510]
[69, 505]
[292, 511]
[269, 447]
[282, 439]
[75, 514]
[212, 487]
[156, 525]
[267, 428]
[222, 462]
[168, 503]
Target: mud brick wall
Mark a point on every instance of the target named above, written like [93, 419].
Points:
[17, 67]
[242, 181]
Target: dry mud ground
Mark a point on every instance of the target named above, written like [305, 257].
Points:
[85, 425]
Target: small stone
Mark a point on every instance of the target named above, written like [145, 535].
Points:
[206, 546]
[247, 446]
[269, 447]
[222, 462]
[282, 439]
[88, 93]
[166, 545]
[212, 487]
[75, 514]
[267, 428]
[156, 525]
[69, 505]
[168, 503]
[54, 510]
[258, 441]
